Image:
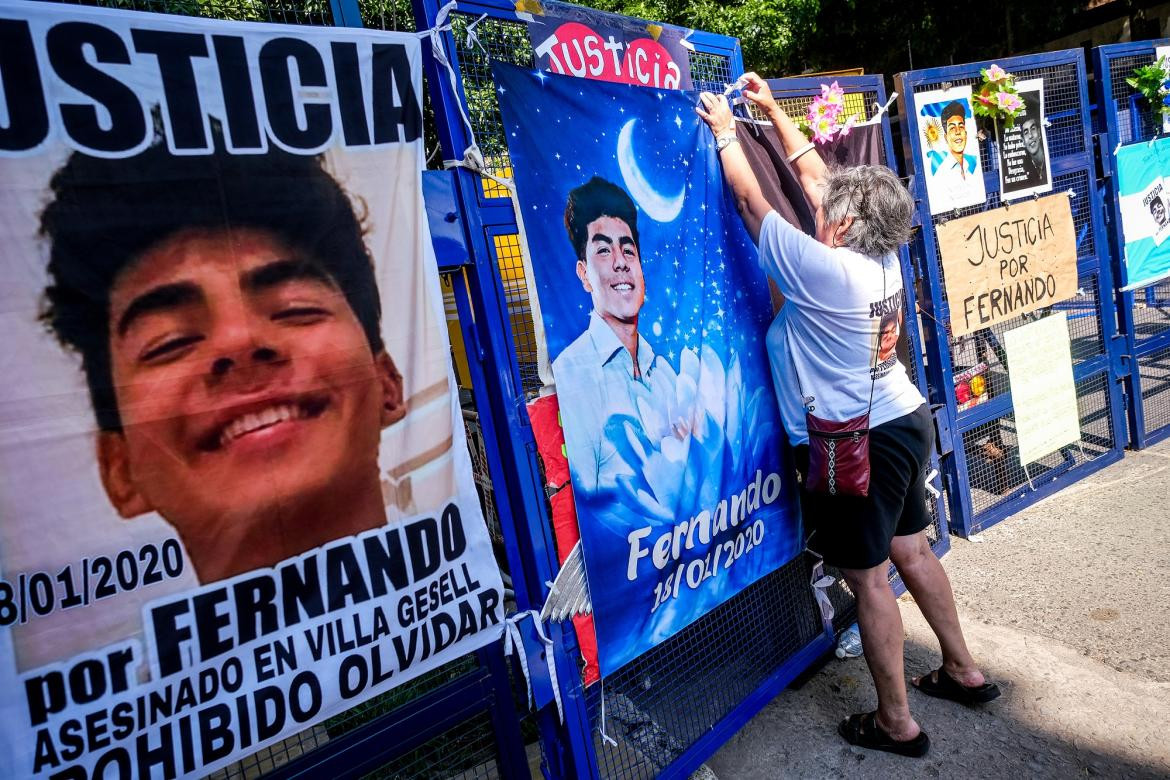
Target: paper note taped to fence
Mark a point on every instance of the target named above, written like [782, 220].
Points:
[1043, 394]
[1008, 261]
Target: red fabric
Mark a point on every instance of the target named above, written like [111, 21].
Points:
[550, 444]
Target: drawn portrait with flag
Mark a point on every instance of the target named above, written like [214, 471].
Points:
[950, 149]
[655, 311]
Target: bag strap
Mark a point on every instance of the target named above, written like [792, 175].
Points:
[878, 350]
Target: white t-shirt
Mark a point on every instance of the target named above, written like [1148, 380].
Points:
[839, 320]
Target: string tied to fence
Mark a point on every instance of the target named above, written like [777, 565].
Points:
[442, 25]
[880, 109]
[605, 738]
[514, 645]
[472, 40]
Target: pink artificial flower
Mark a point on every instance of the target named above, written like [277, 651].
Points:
[823, 130]
[996, 73]
[833, 95]
[1008, 102]
[819, 108]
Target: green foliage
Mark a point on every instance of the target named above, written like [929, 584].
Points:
[789, 37]
[387, 14]
[890, 36]
[768, 30]
[1152, 83]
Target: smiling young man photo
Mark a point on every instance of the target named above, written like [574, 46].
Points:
[955, 166]
[226, 312]
[1035, 162]
[602, 225]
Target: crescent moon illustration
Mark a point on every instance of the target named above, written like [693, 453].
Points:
[656, 205]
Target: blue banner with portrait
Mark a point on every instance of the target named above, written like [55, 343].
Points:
[655, 311]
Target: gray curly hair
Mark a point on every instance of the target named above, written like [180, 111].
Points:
[878, 202]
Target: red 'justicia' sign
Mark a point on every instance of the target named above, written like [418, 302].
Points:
[574, 41]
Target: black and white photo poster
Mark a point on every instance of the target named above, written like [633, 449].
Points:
[1024, 164]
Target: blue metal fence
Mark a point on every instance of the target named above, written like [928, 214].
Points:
[986, 484]
[1144, 315]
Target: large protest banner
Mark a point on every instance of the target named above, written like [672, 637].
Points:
[1143, 189]
[656, 312]
[235, 491]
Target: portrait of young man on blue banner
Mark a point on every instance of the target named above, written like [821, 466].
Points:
[655, 311]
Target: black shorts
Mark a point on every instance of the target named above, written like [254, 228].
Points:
[851, 532]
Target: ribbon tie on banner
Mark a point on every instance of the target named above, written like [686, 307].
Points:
[442, 25]
[880, 109]
[522, 642]
[820, 585]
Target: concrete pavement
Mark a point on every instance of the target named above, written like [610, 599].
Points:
[1066, 606]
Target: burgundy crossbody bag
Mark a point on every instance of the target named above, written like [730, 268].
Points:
[838, 452]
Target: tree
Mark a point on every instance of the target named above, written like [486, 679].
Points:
[889, 37]
[769, 30]
[789, 37]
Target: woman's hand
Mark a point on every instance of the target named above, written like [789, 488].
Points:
[757, 90]
[749, 200]
[717, 115]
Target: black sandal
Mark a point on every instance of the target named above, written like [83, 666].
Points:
[863, 730]
[942, 686]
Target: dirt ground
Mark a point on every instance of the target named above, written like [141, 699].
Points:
[1066, 607]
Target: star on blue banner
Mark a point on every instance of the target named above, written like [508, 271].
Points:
[655, 311]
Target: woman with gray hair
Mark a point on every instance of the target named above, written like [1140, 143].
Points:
[827, 355]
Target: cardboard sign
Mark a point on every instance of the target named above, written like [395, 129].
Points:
[1008, 261]
[1044, 396]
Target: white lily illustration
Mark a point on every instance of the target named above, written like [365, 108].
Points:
[696, 432]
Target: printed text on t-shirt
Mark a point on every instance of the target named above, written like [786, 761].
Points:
[882, 308]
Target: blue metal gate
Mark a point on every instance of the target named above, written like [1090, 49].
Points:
[1144, 315]
[983, 488]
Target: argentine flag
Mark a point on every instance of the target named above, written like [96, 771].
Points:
[1144, 199]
